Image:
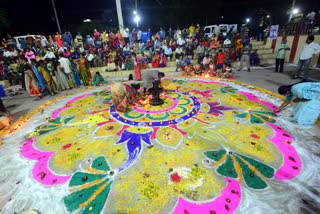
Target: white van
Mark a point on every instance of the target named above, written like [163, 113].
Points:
[18, 39]
[209, 30]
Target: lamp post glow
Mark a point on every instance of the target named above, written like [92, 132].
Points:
[295, 11]
[137, 20]
[247, 20]
[268, 16]
[135, 12]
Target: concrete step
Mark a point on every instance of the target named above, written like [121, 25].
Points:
[268, 61]
[254, 42]
[259, 46]
[265, 51]
[267, 55]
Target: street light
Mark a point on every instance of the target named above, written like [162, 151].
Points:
[247, 20]
[135, 12]
[137, 20]
[87, 20]
[268, 16]
[295, 11]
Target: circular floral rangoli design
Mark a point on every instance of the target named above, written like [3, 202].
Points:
[190, 155]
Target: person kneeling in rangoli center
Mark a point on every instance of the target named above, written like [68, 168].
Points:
[149, 76]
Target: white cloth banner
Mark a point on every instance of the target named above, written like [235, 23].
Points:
[274, 32]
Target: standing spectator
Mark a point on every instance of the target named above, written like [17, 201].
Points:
[149, 34]
[134, 35]
[217, 30]
[11, 41]
[78, 40]
[221, 58]
[70, 39]
[306, 54]
[30, 55]
[125, 35]
[162, 34]
[65, 39]
[227, 43]
[66, 65]
[139, 36]
[170, 33]
[281, 54]
[246, 51]
[261, 27]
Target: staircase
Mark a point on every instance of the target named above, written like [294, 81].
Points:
[267, 57]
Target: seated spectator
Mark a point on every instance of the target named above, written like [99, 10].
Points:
[128, 64]
[144, 61]
[156, 60]
[200, 52]
[211, 70]
[149, 45]
[181, 42]
[188, 70]
[207, 50]
[179, 64]
[198, 69]
[173, 44]
[206, 61]
[163, 60]
[227, 43]
[98, 80]
[179, 52]
[168, 53]
[225, 72]
[254, 58]
[189, 50]
[157, 45]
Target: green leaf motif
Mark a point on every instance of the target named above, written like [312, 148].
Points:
[253, 172]
[228, 89]
[91, 189]
[52, 125]
[258, 117]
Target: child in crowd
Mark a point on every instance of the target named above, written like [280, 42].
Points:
[198, 69]
[179, 64]
[188, 69]
[221, 58]
[163, 60]
[211, 70]
[254, 58]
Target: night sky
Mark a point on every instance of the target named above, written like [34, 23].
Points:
[36, 16]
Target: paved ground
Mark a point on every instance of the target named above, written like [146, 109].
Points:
[263, 77]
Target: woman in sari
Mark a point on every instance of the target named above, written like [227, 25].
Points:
[31, 81]
[62, 79]
[59, 40]
[173, 44]
[98, 80]
[123, 95]
[128, 64]
[144, 61]
[39, 77]
[136, 66]
[50, 83]
[156, 60]
[306, 107]
[75, 71]
[85, 74]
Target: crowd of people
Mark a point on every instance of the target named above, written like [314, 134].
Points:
[36, 60]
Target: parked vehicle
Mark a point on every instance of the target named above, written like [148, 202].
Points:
[19, 38]
[209, 30]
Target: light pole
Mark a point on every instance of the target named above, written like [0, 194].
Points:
[119, 13]
[56, 15]
[292, 9]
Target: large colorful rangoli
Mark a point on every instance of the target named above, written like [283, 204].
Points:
[194, 154]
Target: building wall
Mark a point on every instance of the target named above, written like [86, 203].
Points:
[296, 43]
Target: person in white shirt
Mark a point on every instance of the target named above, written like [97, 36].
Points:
[179, 52]
[217, 30]
[308, 50]
[49, 55]
[168, 52]
[126, 34]
[139, 35]
[65, 64]
[227, 43]
[181, 42]
[157, 45]
[200, 52]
